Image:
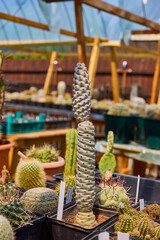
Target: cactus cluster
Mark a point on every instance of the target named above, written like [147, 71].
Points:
[153, 210]
[11, 207]
[153, 111]
[119, 109]
[137, 224]
[85, 176]
[44, 154]
[137, 106]
[40, 200]
[30, 174]
[6, 232]
[108, 160]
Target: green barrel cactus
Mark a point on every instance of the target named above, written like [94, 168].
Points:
[40, 200]
[30, 174]
[119, 109]
[110, 196]
[70, 154]
[108, 160]
[6, 232]
[15, 212]
[85, 176]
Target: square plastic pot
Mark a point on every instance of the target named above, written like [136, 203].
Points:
[122, 126]
[64, 230]
[35, 231]
[94, 235]
[148, 189]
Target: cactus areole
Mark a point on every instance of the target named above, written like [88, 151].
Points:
[85, 179]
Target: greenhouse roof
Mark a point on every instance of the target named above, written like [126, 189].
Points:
[60, 15]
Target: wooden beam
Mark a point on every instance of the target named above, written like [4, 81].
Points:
[80, 32]
[35, 43]
[109, 8]
[138, 50]
[23, 21]
[93, 62]
[87, 39]
[146, 31]
[156, 77]
[49, 73]
[114, 75]
[29, 50]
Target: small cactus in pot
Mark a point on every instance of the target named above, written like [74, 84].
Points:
[85, 176]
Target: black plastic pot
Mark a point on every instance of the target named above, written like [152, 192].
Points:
[35, 231]
[94, 235]
[147, 189]
[64, 230]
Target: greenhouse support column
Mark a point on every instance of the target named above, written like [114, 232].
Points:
[158, 102]
[49, 73]
[114, 75]
[80, 32]
[156, 77]
[93, 62]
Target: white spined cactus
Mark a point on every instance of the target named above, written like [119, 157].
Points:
[81, 101]
[85, 177]
[6, 232]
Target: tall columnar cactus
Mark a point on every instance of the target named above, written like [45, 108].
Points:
[108, 160]
[40, 200]
[85, 179]
[6, 232]
[30, 174]
[70, 155]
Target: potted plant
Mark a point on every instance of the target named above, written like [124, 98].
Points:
[49, 158]
[81, 218]
[5, 145]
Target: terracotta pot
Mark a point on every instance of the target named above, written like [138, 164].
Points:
[5, 146]
[53, 168]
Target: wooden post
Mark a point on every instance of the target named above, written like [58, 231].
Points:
[80, 32]
[156, 77]
[49, 73]
[93, 62]
[114, 75]
[158, 102]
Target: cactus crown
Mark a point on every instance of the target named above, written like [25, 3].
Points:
[44, 154]
[81, 101]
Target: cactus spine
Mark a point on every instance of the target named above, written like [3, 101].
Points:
[6, 232]
[30, 174]
[40, 200]
[85, 179]
[108, 160]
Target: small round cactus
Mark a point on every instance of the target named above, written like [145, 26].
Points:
[6, 232]
[30, 174]
[40, 200]
[153, 111]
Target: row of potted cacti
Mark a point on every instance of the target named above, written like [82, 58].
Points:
[83, 217]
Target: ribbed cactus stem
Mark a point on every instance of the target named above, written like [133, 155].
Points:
[110, 141]
[81, 101]
[85, 179]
